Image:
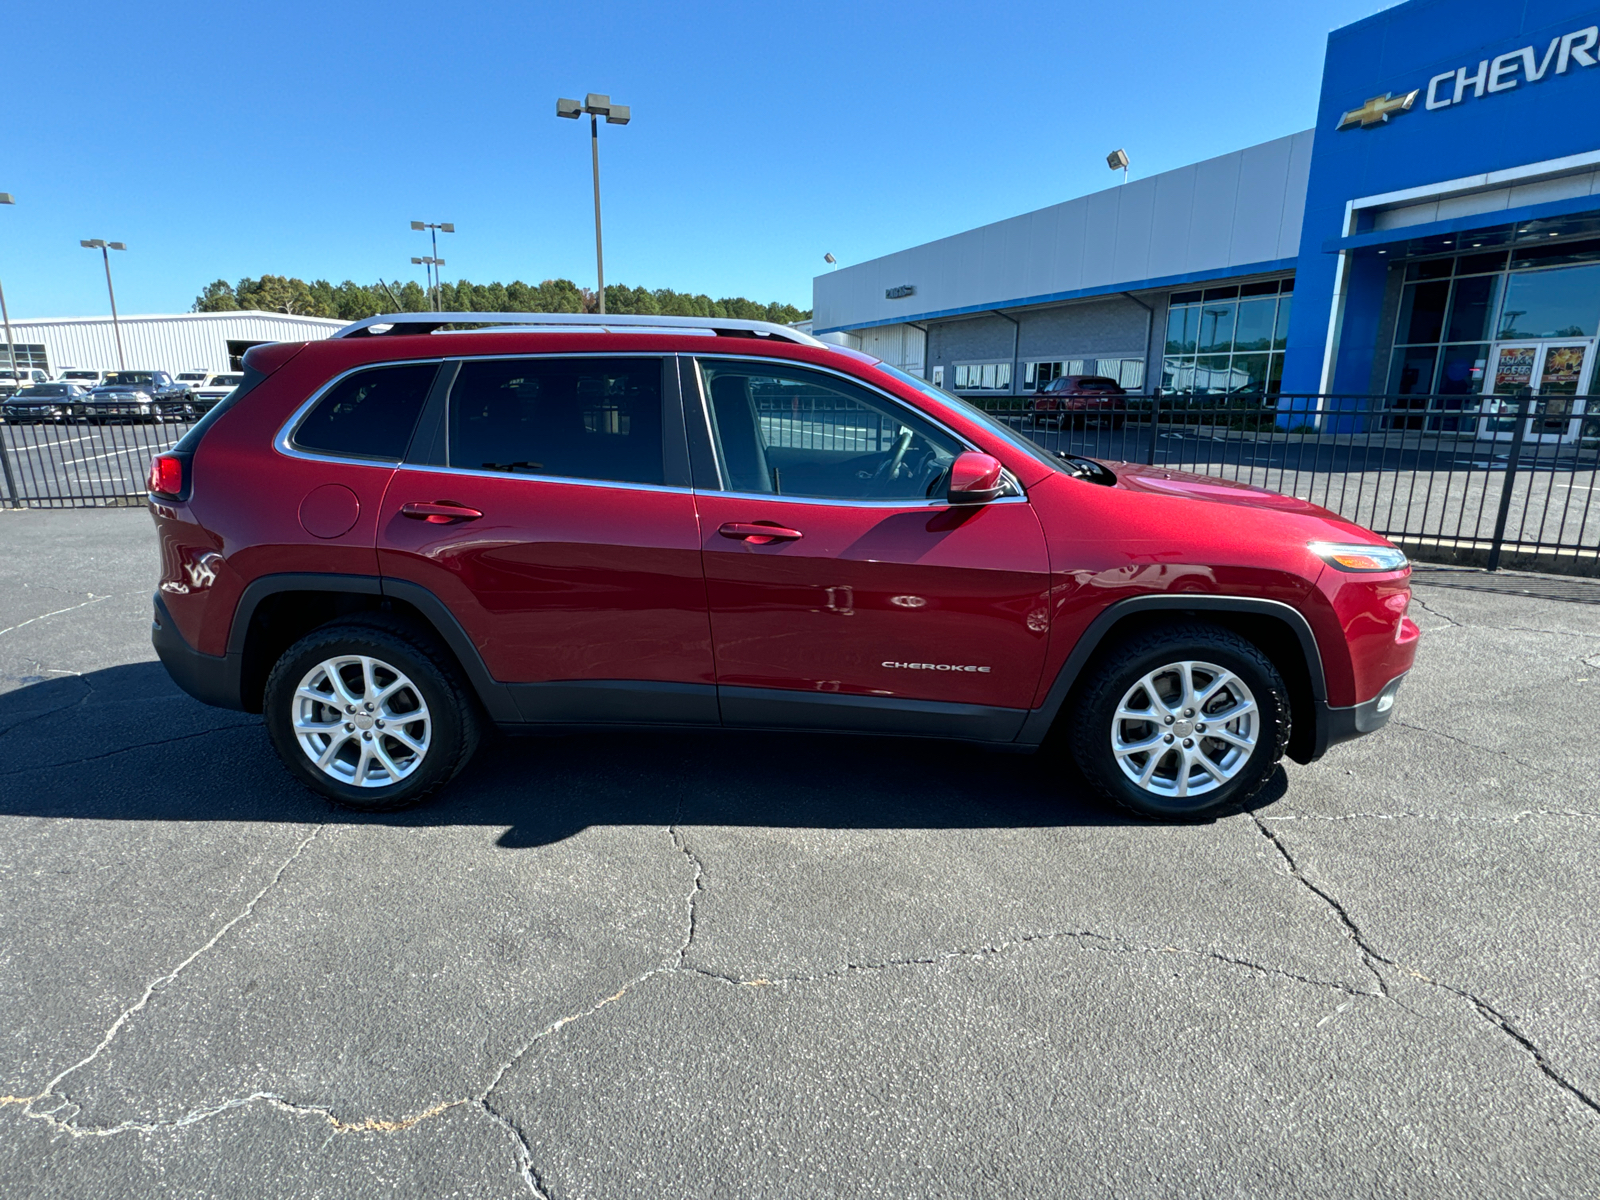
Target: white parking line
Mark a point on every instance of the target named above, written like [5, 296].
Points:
[68, 462]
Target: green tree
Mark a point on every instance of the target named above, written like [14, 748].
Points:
[351, 301]
[413, 298]
[218, 297]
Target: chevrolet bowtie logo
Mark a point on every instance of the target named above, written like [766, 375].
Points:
[1377, 110]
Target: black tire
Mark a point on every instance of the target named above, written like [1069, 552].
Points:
[454, 727]
[1092, 719]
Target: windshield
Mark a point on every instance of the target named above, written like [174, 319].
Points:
[227, 381]
[81, 375]
[191, 376]
[44, 389]
[125, 378]
[972, 412]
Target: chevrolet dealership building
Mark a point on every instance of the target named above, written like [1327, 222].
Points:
[1436, 233]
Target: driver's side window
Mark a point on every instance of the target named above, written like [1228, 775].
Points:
[789, 431]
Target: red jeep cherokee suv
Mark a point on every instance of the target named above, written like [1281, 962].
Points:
[386, 541]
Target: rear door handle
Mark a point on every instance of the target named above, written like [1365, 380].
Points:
[440, 512]
[759, 534]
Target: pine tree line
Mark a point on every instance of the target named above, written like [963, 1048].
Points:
[351, 301]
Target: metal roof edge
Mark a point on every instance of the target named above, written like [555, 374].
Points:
[1058, 204]
[1482, 220]
[1111, 289]
[332, 322]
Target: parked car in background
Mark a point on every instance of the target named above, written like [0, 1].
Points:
[43, 402]
[194, 378]
[216, 388]
[11, 382]
[1077, 399]
[84, 377]
[137, 396]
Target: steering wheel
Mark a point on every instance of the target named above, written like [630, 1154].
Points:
[884, 475]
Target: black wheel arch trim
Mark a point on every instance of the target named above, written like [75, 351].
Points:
[495, 696]
[1037, 726]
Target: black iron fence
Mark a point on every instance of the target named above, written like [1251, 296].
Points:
[1482, 480]
[74, 462]
[1488, 481]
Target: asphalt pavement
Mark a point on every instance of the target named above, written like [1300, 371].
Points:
[662, 966]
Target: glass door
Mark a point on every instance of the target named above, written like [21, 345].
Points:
[1557, 372]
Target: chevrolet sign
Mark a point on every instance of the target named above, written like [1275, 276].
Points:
[898, 293]
[1527, 65]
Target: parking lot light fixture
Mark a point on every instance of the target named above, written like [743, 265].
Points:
[1117, 160]
[596, 106]
[105, 248]
[434, 230]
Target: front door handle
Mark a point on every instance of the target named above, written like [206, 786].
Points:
[758, 533]
[440, 512]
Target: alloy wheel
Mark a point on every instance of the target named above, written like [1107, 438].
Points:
[1185, 729]
[361, 721]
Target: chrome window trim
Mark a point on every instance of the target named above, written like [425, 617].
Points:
[911, 504]
[966, 443]
[576, 481]
[284, 443]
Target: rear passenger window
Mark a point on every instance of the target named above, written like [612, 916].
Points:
[574, 418]
[370, 414]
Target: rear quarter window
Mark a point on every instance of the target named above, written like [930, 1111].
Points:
[369, 414]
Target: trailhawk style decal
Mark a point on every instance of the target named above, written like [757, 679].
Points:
[900, 666]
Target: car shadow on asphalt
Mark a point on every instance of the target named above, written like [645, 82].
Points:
[125, 744]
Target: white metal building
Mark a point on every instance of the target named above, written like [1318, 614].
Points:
[202, 341]
[1085, 286]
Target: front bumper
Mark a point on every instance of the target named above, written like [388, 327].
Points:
[1335, 725]
[208, 678]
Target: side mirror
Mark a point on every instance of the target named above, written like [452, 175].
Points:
[974, 478]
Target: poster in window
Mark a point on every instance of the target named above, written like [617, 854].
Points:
[1563, 367]
[1513, 369]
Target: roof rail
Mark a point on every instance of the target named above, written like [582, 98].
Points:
[430, 322]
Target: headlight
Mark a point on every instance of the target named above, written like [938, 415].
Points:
[1358, 556]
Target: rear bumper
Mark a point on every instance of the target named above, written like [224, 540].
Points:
[208, 678]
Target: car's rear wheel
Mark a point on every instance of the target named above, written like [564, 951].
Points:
[1181, 722]
[370, 715]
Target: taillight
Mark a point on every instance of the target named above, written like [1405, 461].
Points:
[166, 475]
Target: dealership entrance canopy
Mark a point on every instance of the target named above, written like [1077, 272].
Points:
[1436, 234]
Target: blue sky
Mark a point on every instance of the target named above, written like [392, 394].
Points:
[223, 140]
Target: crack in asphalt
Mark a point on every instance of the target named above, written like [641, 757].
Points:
[1450, 737]
[49, 1090]
[1085, 938]
[1432, 611]
[1370, 955]
[50, 712]
[61, 1115]
[150, 745]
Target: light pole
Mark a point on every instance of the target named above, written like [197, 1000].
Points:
[105, 249]
[432, 265]
[596, 106]
[11, 346]
[434, 230]
[1117, 160]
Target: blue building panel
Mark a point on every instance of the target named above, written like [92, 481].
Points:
[1410, 49]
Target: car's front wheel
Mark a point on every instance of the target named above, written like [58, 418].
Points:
[370, 715]
[1181, 721]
